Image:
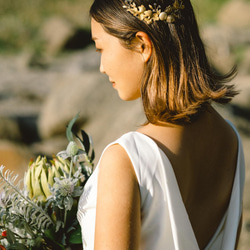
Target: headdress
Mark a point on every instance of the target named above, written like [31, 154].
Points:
[155, 12]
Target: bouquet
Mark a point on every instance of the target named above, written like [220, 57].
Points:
[39, 211]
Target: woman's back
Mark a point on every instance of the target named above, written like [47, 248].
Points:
[153, 202]
[203, 156]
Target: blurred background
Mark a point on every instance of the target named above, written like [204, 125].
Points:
[49, 71]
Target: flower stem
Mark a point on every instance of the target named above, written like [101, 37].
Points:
[65, 217]
[71, 166]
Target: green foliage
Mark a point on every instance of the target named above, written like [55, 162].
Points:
[18, 211]
[207, 10]
[69, 132]
[28, 219]
[21, 20]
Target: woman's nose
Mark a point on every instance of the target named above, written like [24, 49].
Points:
[101, 68]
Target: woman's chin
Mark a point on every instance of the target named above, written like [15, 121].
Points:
[128, 98]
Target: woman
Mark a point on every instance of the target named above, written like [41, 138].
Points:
[176, 182]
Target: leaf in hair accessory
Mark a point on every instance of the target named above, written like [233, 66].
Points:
[170, 19]
[141, 9]
[156, 16]
[148, 13]
[141, 17]
[176, 4]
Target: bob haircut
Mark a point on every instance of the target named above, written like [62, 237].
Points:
[178, 81]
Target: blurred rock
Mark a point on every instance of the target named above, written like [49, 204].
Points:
[9, 129]
[59, 34]
[86, 60]
[217, 44]
[72, 94]
[245, 64]
[235, 13]
[227, 41]
[238, 111]
[80, 39]
[243, 99]
[55, 32]
[20, 87]
[14, 157]
[113, 119]
[227, 46]
[50, 146]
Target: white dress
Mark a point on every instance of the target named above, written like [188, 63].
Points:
[165, 222]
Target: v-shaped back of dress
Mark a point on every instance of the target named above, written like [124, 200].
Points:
[165, 222]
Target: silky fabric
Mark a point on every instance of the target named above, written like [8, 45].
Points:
[165, 224]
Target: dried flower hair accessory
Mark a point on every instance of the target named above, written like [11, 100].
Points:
[155, 13]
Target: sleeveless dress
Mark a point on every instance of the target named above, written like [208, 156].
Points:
[165, 223]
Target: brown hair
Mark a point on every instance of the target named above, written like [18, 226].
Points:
[178, 81]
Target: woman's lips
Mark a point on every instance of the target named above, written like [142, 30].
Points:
[113, 84]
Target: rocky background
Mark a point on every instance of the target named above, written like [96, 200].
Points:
[41, 90]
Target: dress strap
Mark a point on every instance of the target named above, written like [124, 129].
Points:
[182, 231]
[183, 234]
[235, 205]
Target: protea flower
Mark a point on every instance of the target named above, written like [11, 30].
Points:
[41, 174]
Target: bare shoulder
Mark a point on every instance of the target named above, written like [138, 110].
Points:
[116, 169]
[118, 202]
[115, 159]
[115, 152]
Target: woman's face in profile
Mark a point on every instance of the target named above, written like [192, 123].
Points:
[123, 66]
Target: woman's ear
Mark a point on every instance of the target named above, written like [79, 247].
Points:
[145, 45]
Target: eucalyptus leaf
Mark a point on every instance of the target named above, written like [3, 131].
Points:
[28, 229]
[69, 132]
[10, 237]
[63, 154]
